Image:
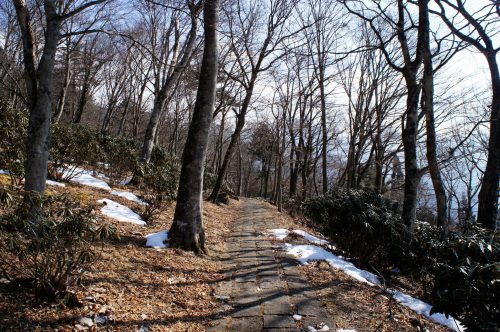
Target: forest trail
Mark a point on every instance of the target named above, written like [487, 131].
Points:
[263, 288]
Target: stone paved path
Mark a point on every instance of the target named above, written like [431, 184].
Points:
[263, 288]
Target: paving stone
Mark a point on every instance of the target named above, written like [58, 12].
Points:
[276, 321]
[246, 324]
[277, 306]
[251, 311]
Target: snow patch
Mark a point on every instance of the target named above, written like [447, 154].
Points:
[55, 183]
[306, 253]
[120, 212]
[344, 330]
[84, 177]
[125, 181]
[297, 317]
[279, 233]
[313, 329]
[128, 195]
[157, 240]
[424, 309]
[310, 238]
[2, 171]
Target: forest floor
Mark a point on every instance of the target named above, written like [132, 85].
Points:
[246, 283]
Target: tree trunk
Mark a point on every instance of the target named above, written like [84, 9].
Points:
[232, 144]
[324, 133]
[187, 230]
[488, 195]
[166, 89]
[412, 178]
[428, 109]
[62, 98]
[39, 85]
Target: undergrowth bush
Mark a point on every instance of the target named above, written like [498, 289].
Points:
[72, 146]
[467, 279]
[121, 155]
[47, 242]
[13, 129]
[461, 273]
[159, 180]
[362, 223]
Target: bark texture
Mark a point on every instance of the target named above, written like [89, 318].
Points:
[187, 230]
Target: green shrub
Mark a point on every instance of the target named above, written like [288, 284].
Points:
[13, 129]
[467, 279]
[71, 148]
[48, 242]
[121, 156]
[362, 223]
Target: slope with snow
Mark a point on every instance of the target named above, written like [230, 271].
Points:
[307, 253]
[120, 212]
[128, 195]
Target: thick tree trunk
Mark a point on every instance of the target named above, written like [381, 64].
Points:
[428, 109]
[412, 177]
[187, 230]
[39, 82]
[488, 195]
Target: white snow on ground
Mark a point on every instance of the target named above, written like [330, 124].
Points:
[306, 253]
[55, 183]
[120, 212]
[282, 233]
[85, 178]
[310, 238]
[128, 195]
[125, 181]
[423, 308]
[313, 329]
[157, 240]
[344, 330]
[2, 171]
[279, 233]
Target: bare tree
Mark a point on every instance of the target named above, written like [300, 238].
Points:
[244, 21]
[478, 28]
[38, 70]
[187, 230]
[169, 60]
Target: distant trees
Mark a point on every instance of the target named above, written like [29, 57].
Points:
[312, 94]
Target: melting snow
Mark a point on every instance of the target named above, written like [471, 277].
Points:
[55, 183]
[125, 181]
[120, 212]
[344, 330]
[423, 308]
[129, 196]
[88, 180]
[313, 329]
[306, 253]
[310, 238]
[279, 233]
[157, 240]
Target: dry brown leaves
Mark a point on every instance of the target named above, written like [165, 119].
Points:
[131, 286]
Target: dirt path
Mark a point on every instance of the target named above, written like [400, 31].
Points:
[263, 289]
